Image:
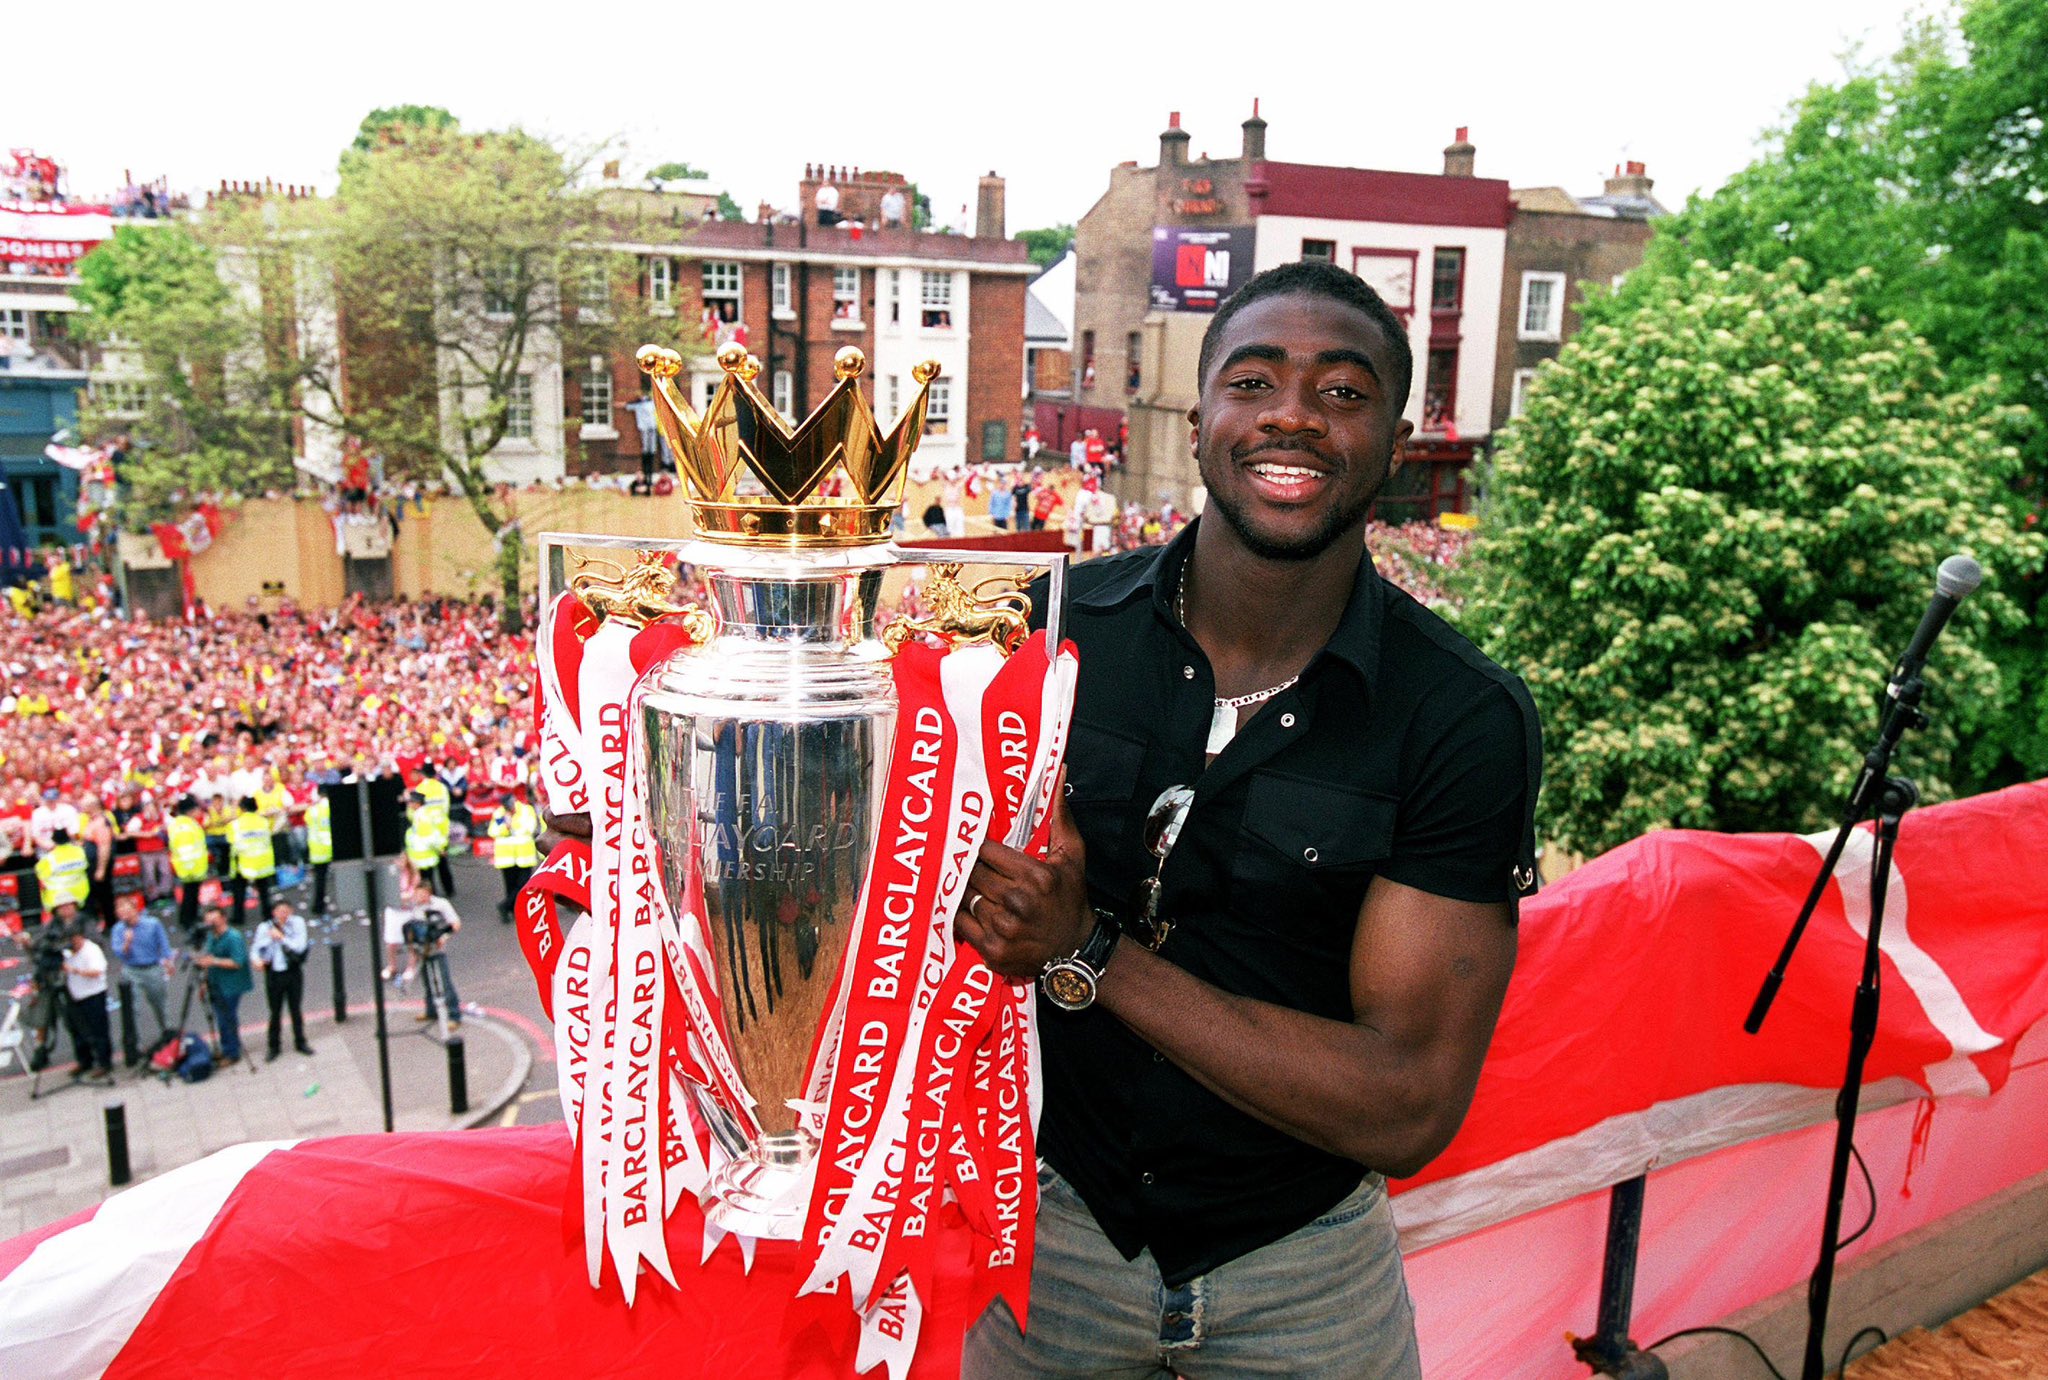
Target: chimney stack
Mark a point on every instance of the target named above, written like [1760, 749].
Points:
[1458, 155]
[1630, 180]
[1173, 143]
[988, 209]
[1254, 135]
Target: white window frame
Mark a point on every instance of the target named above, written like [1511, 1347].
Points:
[1552, 327]
[895, 398]
[506, 272]
[895, 296]
[519, 409]
[935, 294]
[1518, 391]
[594, 289]
[661, 282]
[779, 299]
[847, 293]
[938, 408]
[119, 397]
[14, 322]
[722, 280]
[598, 423]
[782, 392]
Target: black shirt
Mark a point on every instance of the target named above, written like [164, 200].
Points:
[1401, 752]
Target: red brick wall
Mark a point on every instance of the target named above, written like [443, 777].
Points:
[995, 358]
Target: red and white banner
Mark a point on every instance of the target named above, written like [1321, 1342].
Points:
[51, 235]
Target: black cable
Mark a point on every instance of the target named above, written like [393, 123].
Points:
[1870, 1190]
[1882, 1338]
[1724, 1332]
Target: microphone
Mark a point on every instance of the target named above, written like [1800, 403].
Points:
[1953, 582]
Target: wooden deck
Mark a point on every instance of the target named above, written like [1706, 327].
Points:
[2003, 1338]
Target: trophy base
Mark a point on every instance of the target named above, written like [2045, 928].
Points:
[766, 1192]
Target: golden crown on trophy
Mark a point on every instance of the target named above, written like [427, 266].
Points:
[754, 480]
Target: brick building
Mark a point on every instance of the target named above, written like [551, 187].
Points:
[1165, 244]
[1557, 243]
[795, 292]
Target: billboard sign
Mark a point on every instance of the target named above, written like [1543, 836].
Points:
[1194, 270]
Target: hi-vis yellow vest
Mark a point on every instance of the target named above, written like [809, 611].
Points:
[188, 848]
[432, 813]
[514, 831]
[249, 837]
[422, 849]
[61, 875]
[320, 830]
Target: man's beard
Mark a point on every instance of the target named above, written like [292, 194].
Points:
[1304, 548]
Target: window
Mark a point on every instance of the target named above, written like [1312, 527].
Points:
[1518, 395]
[597, 399]
[895, 296]
[1440, 389]
[937, 300]
[519, 409]
[121, 397]
[784, 394]
[1447, 281]
[722, 289]
[778, 291]
[661, 282]
[938, 408]
[1134, 346]
[594, 287]
[846, 294]
[1087, 359]
[895, 399]
[502, 293]
[14, 323]
[1319, 251]
[1542, 306]
[995, 442]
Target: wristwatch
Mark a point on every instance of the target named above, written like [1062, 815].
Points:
[1069, 983]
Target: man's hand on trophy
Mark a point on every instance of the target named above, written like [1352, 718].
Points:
[1021, 912]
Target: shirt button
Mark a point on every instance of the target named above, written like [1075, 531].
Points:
[1187, 673]
[1147, 1178]
[1309, 855]
[1157, 1057]
[1287, 721]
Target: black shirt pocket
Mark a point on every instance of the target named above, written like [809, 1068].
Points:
[1305, 854]
[1102, 782]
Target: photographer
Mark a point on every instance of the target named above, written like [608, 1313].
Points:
[85, 979]
[280, 951]
[426, 935]
[226, 960]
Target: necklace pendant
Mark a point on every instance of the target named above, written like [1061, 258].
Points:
[1222, 727]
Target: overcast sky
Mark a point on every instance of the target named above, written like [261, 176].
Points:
[1048, 95]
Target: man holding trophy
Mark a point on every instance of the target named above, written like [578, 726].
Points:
[1277, 917]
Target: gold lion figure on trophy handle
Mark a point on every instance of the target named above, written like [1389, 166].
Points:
[639, 595]
[962, 614]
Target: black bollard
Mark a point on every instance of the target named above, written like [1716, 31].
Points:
[458, 1078]
[117, 1144]
[340, 982]
[131, 1042]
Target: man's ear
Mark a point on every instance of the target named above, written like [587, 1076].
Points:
[1194, 427]
[1399, 452]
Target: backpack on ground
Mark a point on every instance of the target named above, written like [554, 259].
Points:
[196, 1064]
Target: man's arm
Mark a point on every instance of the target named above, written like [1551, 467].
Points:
[1387, 1088]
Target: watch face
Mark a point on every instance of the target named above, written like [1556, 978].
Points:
[1069, 986]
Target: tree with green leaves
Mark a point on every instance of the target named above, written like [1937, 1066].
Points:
[212, 351]
[1919, 182]
[728, 209]
[1716, 522]
[1048, 245]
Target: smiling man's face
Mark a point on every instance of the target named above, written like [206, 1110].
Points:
[1298, 426]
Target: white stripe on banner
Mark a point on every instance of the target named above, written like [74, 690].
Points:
[67, 1310]
[1931, 986]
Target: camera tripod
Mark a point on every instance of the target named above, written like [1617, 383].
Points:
[434, 987]
[47, 1007]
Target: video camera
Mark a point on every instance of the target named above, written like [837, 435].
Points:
[425, 931]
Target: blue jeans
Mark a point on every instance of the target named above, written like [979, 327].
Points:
[227, 1019]
[440, 963]
[1327, 1301]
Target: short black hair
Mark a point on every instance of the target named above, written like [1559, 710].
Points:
[1315, 279]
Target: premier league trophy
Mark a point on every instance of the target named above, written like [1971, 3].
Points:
[767, 741]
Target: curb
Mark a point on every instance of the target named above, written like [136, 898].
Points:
[499, 1100]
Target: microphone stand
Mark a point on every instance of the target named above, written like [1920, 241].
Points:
[1888, 797]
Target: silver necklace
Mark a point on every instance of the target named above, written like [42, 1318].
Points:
[1223, 718]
